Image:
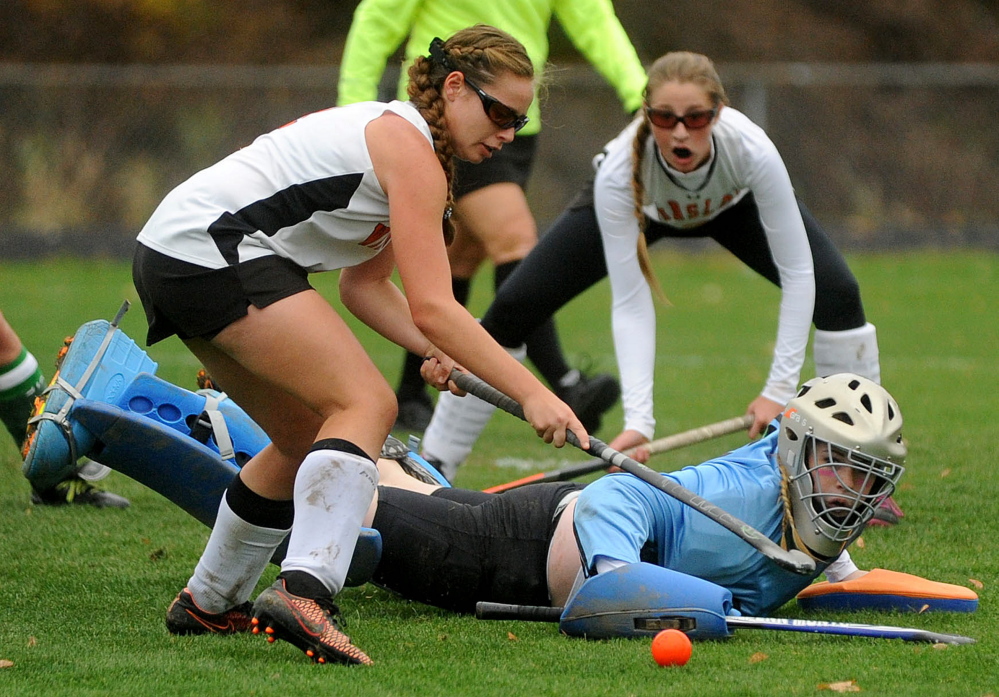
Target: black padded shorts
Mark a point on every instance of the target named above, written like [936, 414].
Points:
[479, 547]
[511, 164]
[194, 301]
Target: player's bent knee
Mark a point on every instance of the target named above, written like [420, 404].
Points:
[376, 405]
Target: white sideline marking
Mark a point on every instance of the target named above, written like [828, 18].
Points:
[523, 464]
[902, 362]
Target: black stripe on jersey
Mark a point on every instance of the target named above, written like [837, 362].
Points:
[283, 209]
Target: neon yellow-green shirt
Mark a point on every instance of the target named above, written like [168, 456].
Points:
[380, 26]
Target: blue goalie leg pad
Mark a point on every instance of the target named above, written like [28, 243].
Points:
[207, 416]
[852, 602]
[184, 471]
[99, 363]
[640, 600]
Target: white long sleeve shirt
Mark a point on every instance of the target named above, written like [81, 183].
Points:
[743, 160]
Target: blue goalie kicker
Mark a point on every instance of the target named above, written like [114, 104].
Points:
[106, 403]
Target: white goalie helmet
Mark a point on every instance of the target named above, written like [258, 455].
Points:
[841, 445]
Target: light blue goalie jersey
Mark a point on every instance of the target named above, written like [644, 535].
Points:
[623, 517]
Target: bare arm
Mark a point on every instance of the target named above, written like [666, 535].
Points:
[411, 176]
[368, 292]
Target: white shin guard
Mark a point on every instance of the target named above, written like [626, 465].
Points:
[849, 351]
[456, 425]
[236, 555]
[333, 490]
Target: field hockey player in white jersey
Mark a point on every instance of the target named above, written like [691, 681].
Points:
[492, 218]
[688, 166]
[223, 263]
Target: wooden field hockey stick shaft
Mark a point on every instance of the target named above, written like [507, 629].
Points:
[660, 445]
[792, 560]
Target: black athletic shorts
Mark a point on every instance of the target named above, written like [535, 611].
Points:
[511, 164]
[480, 547]
[190, 300]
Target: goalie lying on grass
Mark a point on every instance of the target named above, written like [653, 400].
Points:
[841, 454]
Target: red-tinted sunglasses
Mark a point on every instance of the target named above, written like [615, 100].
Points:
[667, 119]
[498, 112]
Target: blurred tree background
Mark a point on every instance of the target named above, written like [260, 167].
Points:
[312, 31]
[106, 104]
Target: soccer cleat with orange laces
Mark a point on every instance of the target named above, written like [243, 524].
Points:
[310, 624]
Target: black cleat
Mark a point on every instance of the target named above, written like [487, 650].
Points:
[77, 491]
[590, 397]
[415, 413]
[185, 617]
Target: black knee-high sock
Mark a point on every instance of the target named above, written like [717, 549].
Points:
[543, 347]
[411, 384]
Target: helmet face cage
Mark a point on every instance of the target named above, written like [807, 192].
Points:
[852, 485]
[841, 446]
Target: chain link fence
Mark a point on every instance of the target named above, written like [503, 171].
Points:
[886, 156]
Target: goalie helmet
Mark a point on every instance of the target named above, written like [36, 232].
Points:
[841, 446]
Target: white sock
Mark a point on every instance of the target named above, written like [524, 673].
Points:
[454, 428]
[456, 425]
[850, 351]
[236, 555]
[569, 379]
[333, 490]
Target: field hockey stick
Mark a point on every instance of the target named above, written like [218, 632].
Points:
[540, 613]
[792, 560]
[660, 445]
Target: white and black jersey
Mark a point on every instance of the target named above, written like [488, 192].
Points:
[742, 198]
[743, 161]
[306, 192]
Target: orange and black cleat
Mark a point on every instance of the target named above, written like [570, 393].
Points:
[310, 624]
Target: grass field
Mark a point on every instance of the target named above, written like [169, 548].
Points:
[83, 592]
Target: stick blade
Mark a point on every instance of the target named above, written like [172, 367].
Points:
[797, 561]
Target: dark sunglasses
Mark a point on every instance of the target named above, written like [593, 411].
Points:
[667, 119]
[498, 112]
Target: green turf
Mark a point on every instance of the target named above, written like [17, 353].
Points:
[83, 592]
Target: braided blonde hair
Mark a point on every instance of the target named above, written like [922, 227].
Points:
[482, 53]
[678, 66]
[788, 528]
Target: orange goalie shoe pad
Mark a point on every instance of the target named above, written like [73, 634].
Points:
[881, 589]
